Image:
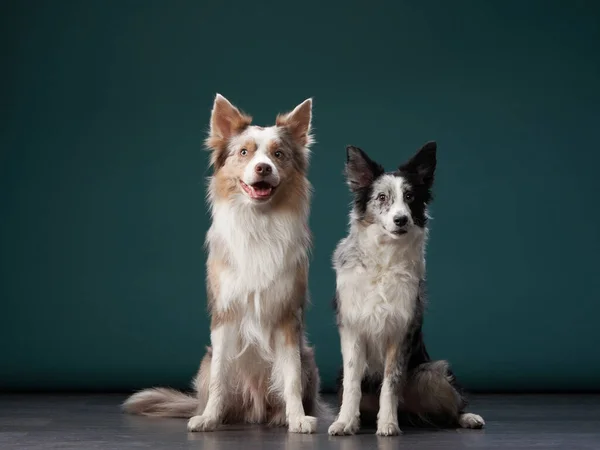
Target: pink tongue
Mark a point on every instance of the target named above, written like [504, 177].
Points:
[260, 192]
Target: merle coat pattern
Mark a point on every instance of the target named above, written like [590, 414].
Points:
[260, 367]
[380, 302]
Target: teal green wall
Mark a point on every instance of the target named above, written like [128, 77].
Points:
[104, 108]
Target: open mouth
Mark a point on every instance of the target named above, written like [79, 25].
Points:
[400, 232]
[260, 190]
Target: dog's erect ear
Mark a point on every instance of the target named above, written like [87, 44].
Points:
[297, 122]
[361, 170]
[423, 163]
[225, 121]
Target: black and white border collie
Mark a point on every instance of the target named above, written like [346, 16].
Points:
[380, 302]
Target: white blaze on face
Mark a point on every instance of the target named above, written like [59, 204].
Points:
[263, 138]
[394, 188]
[258, 186]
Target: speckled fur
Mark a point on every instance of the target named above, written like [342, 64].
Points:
[380, 303]
[259, 368]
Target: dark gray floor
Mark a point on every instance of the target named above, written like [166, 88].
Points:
[95, 422]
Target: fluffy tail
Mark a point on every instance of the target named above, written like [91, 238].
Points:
[161, 402]
[432, 390]
[323, 411]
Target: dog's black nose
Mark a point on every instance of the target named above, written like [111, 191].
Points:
[263, 169]
[400, 221]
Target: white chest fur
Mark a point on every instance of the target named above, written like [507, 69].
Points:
[262, 251]
[377, 292]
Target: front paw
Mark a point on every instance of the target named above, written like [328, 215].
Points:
[339, 428]
[202, 423]
[303, 424]
[388, 429]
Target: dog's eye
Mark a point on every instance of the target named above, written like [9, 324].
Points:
[408, 196]
[381, 197]
[243, 152]
[278, 154]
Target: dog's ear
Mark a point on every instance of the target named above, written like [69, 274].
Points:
[361, 170]
[225, 122]
[423, 163]
[298, 123]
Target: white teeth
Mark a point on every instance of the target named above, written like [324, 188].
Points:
[261, 192]
[258, 192]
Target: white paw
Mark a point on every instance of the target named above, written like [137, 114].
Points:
[202, 423]
[303, 424]
[388, 429]
[342, 428]
[470, 420]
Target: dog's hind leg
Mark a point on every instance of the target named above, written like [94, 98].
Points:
[470, 420]
[432, 394]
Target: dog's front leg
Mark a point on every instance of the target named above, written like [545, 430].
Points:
[287, 373]
[221, 339]
[387, 418]
[354, 360]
